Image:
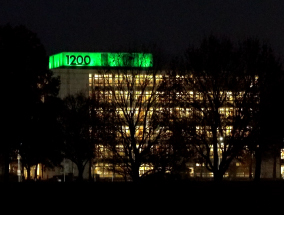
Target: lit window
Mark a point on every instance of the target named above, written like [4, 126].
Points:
[222, 111]
[282, 154]
[228, 130]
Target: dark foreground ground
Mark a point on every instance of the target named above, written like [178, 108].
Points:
[177, 198]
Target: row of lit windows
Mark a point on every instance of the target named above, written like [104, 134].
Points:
[142, 96]
[181, 111]
[102, 150]
[106, 170]
[140, 76]
[110, 79]
[202, 129]
[123, 75]
[97, 80]
[238, 164]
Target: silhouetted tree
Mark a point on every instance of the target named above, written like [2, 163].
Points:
[77, 122]
[25, 82]
[258, 59]
[42, 139]
[172, 98]
[134, 123]
[223, 97]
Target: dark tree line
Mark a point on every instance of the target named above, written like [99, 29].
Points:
[147, 118]
[246, 77]
[26, 86]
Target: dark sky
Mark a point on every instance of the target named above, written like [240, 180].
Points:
[106, 25]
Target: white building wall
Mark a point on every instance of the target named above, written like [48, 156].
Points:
[73, 81]
[68, 168]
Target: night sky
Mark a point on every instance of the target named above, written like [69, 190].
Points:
[110, 25]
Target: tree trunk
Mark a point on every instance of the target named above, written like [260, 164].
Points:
[274, 166]
[218, 176]
[35, 172]
[216, 154]
[28, 172]
[135, 173]
[250, 168]
[80, 173]
[257, 164]
[90, 170]
[6, 168]
[216, 170]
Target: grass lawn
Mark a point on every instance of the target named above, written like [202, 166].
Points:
[176, 198]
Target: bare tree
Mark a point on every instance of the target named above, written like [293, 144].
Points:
[77, 123]
[223, 99]
[133, 120]
[258, 59]
[178, 112]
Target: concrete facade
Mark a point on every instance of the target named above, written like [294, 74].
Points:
[73, 81]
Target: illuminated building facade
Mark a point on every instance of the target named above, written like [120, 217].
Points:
[92, 74]
[105, 76]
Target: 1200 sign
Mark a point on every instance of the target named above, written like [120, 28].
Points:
[78, 60]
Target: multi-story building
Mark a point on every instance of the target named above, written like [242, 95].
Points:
[93, 74]
[113, 77]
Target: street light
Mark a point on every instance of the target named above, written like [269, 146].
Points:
[64, 169]
[19, 168]
[221, 146]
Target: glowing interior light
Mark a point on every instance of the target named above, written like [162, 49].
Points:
[282, 153]
[86, 59]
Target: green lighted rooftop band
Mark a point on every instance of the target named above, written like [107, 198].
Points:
[94, 60]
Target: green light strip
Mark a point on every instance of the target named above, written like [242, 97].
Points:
[84, 59]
